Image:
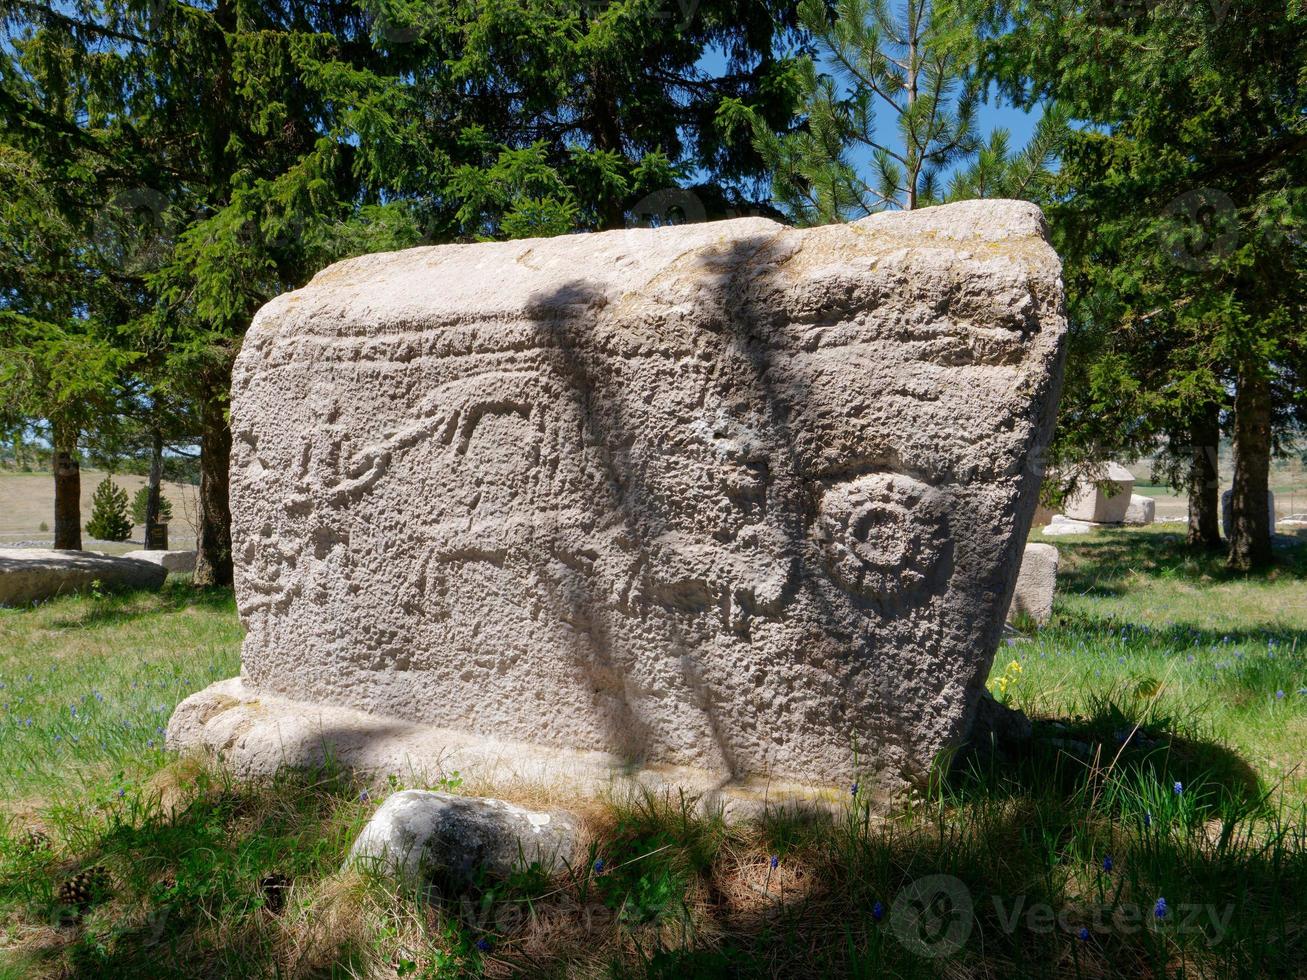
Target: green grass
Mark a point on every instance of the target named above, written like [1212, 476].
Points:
[1122, 714]
[87, 683]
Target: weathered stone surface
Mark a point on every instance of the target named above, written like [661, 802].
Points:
[1141, 510]
[1036, 583]
[28, 574]
[172, 561]
[1104, 501]
[439, 837]
[731, 496]
[1227, 510]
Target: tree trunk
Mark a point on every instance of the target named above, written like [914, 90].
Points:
[1204, 482]
[156, 479]
[152, 494]
[67, 468]
[213, 558]
[1250, 526]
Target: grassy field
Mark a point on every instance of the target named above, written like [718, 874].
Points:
[27, 502]
[1155, 825]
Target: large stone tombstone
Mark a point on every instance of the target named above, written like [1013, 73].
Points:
[728, 496]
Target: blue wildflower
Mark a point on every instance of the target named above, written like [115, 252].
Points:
[853, 790]
[122, 793]
[1148, 819]
[1107, 863]
[149, 743]
[599, 866]
[878, 911]
[1084, 934]
[1160, 909]
[775, 862]
[73, 709]
[363, 796]
[1178, 788]
[483, 945]
[1279, 695]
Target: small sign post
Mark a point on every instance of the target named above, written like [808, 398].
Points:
[156, 537]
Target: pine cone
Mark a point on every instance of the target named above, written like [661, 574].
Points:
[83, 888]
[35, 840]
[274, 888]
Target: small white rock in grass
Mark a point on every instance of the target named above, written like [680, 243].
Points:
[1142, 510]
[429, 836]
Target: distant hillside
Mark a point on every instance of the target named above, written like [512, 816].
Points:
[27, 500]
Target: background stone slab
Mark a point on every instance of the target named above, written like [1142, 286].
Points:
[1036, 584]
[28, 574]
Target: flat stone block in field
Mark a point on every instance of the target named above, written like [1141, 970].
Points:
[172, 561]
[1141, 510]
[28, 574]
[1061, 524]
[730, 496]
[1104, 501]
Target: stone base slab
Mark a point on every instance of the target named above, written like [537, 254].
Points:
[255, 734]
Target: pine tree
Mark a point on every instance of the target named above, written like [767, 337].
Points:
[141, 501]
[913, 68]
[1181, 204]
[232, 149]
[109, 520]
